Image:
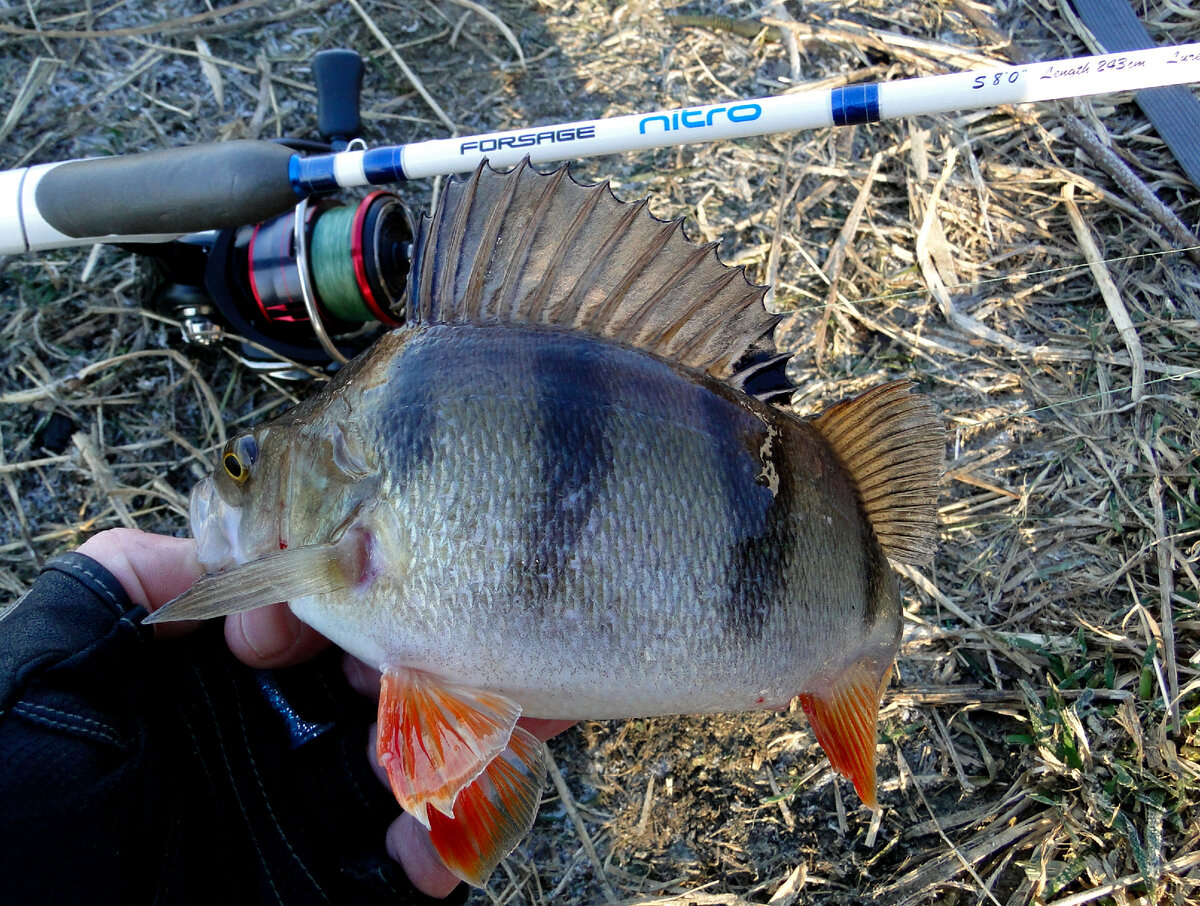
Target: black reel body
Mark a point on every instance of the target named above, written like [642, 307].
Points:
[316, 285]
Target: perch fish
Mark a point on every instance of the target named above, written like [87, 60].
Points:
[568, 488]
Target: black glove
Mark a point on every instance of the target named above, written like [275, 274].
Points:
[134, 771]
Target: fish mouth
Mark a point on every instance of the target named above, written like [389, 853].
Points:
[216, 528]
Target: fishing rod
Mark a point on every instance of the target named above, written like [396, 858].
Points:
[160, 195]
[265, 248]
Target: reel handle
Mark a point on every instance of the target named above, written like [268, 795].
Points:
[339, 75]
[149, 197]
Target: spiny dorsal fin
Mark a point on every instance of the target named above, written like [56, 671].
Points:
[893, 444]
[529, 248]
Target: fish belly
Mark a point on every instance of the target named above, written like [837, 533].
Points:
[595, 532]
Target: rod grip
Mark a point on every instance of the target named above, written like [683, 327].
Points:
[173, 191]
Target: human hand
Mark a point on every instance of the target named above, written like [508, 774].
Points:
[273, 637]
[153, 569]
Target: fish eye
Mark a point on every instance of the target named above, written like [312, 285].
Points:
[240, 454]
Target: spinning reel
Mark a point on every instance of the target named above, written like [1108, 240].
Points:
[315, 285]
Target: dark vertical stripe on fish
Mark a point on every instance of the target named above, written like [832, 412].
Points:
[881, 580]
[760, 570]
[412, 418]
[755, 517]
[576, 457]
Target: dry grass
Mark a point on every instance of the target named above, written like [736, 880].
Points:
[1040, 744]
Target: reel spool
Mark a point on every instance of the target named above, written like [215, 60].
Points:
[316, 285]
[324, 271]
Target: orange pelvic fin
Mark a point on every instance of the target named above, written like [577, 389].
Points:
[493, 813]
[435, 738]
[844, 716]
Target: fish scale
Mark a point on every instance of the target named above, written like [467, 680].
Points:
[552, 493]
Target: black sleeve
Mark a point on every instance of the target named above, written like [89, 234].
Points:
[135, 771]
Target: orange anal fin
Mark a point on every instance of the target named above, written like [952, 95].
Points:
[435, 738]
[844, 715]
[493, 813]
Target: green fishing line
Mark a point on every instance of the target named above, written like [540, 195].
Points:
[333, 266]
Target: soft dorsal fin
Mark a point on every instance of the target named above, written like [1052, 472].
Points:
[893, 444]
[529, 248]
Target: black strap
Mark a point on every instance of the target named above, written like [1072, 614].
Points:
[1173, 110]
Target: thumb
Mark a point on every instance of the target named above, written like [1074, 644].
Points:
[152, 569]
[409, 844]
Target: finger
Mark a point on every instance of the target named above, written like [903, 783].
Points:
[372, 759]
[362, 678]
[409, 844]
[152, 569]
[545, 729]
[272, 636]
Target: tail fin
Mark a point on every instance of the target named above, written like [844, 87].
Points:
[892, 443]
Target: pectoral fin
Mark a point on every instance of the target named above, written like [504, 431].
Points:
[279, 576]
[459, 765]
[844, 714]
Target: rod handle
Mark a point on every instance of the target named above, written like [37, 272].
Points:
[153, 195]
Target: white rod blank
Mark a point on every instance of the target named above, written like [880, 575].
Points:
[974, 89]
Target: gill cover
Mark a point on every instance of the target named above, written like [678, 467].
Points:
[288, 513]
